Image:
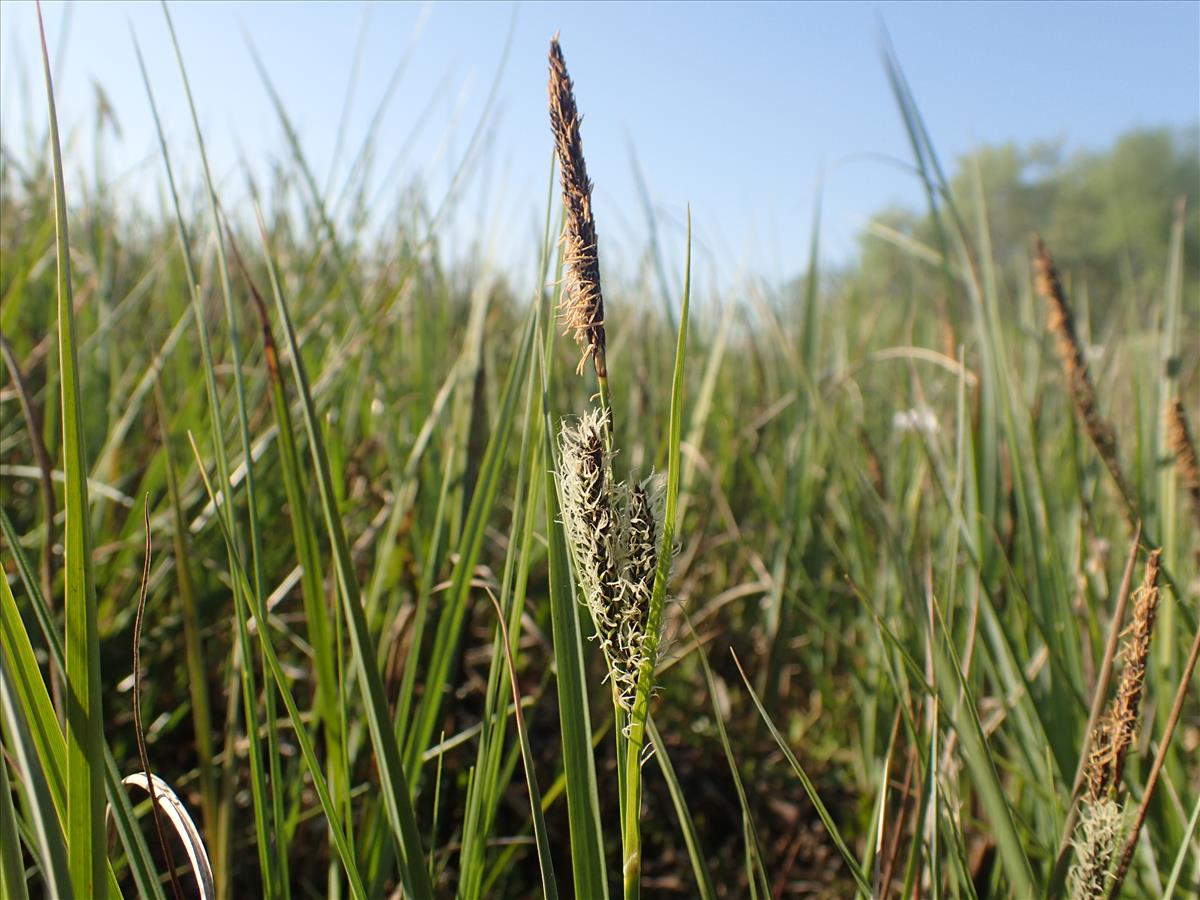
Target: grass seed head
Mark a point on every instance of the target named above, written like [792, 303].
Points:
[615, 531]
[1099, 834]
[1118, 730]
[591, 518]
[641, 536]
[582, 306]
[1180, 440]
[1079, 383]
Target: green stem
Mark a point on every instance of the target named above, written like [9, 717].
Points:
[631, 830]
[605, 400]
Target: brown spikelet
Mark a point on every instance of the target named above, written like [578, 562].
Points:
[582, 305]
[1117, 731]
[1180, 440]
[1079, 382]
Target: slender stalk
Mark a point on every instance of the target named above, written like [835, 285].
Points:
[139, 729]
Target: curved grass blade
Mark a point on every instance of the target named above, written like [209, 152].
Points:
[268, 804]
[495, 765]
[202, 719]
[219, 848]
[166, 801]
[755, 872]
[316, 617]
[139, 730]
[483, 498]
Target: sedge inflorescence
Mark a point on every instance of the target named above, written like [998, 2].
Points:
[615, 529]
[1101, 823]
[582, 307]
[1073, 356]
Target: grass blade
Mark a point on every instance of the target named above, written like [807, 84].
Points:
[691, 837]
[298, 727]
[549, 886]
[32, 753]
[49, 742]
[12, 863]
[631, 827]
[579, 766]
[860, 877]
[396, 800]
[85, 717]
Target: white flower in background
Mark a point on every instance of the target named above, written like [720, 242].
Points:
[920, 419]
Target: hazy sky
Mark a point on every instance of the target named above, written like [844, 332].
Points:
[736, 109]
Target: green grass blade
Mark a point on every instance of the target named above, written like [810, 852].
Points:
[691, 837]
[492, 774]
[756, 874]
[958, 699]
[220, 851]
[85, 717]
[268, 794]
[12, 864]
[843, 850]
[540, 833]
[302, 737]
[396, 799]
[49, 742]
[579, 766]
[483, 498]
[631, 827]
[304, 538]
[29, 737]
[1185, 849]
[202, 719]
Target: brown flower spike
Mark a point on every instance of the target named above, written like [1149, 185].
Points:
[1079, 382]
[1120, 727]
[1180, 440]
[582, 305]
[1101, 825]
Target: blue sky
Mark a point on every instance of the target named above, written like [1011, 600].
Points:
[735, 109]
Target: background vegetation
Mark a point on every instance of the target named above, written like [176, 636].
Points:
[898, 551]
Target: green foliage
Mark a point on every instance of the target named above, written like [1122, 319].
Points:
[1106, 211]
